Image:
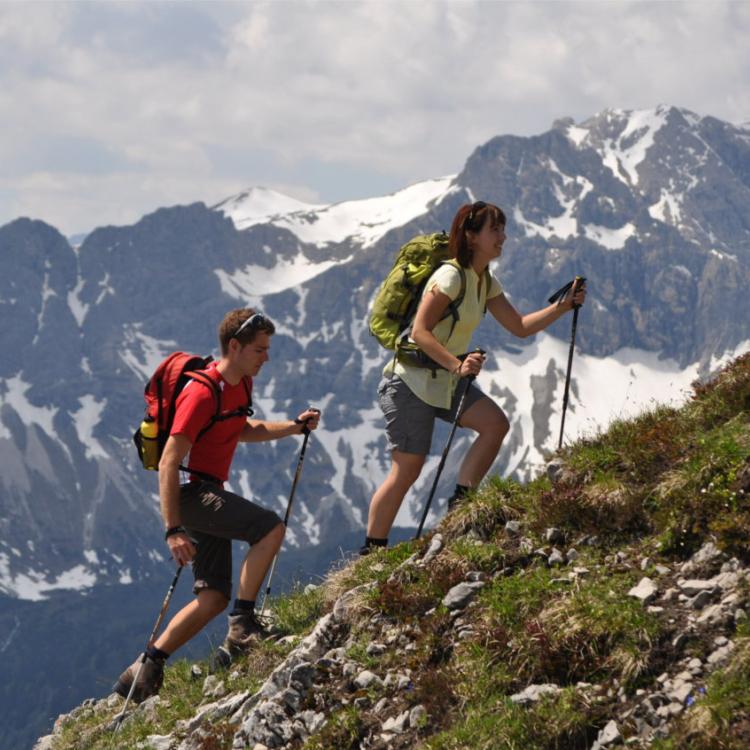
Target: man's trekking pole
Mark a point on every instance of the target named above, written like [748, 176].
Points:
[164, 607]
[469, 380]
[558, 296]
[306, 431]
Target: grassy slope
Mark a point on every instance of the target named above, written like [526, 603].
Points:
[654, 487]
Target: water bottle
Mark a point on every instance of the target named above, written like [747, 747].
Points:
[150, 443]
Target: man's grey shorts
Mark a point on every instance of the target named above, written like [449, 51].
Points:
[409, 421]
[213, 517]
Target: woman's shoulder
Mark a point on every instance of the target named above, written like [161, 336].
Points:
[447, 277]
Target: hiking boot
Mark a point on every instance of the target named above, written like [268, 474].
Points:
[244, 632]
[458, 497]
[149, 680]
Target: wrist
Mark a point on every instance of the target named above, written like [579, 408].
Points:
[172, 530]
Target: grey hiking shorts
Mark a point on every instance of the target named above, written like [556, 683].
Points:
[213, 517]
[409, 421]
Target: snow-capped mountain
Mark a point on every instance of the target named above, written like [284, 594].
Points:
[653, 207]
[650, 205]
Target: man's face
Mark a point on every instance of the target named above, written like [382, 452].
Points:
[250, 357]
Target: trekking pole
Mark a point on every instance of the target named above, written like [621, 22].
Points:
[306, 431]
[164, 607]
[469, 380]
[558, 297]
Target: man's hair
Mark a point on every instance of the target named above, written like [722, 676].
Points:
[471, 218]
[232, 323]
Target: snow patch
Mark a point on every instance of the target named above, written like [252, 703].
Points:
[612, 239]
[577, 135]
[78, 308]
[724, 256]
[150, 351]
[33, 585]
[628, 151]
[253, 282]
[29, 414]
[106, 288]
[667, 209]
[85, 420]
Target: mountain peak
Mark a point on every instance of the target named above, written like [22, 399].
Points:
[260, 204]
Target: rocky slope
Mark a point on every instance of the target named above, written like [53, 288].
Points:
[600, 606]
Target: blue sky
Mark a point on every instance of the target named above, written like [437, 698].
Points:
[109, 110]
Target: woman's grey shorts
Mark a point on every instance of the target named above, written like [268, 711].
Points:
[409, 421]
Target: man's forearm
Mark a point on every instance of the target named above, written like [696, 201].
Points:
[169, 497]
[257, 431]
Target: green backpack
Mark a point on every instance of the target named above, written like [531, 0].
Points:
[397, 299]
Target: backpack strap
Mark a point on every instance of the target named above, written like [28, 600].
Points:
[218, 416]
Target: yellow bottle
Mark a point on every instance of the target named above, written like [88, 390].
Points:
[150, 443]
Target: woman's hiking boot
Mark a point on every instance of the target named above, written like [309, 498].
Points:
[148, 682]
[244, 632]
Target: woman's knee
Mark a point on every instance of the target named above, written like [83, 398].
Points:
[406, 469]
[501, 425]
[488, 419]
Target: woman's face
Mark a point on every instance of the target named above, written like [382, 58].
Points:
[487, 244]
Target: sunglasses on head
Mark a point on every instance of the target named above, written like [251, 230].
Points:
[475, 209]
[255, 321]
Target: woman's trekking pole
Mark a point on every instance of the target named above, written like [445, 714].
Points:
[306, 431]
[557, 297]
[469, 380]
[164, 607]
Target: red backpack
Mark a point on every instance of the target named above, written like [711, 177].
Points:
[161, 393]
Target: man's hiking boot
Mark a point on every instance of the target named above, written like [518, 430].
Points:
[149, 680]
[244, 632]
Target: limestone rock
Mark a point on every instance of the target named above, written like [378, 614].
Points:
[460, 595]
[534, 692]
[646, 590]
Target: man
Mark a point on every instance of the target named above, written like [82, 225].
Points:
[201, 518]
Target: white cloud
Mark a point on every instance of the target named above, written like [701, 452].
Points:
[113, 109]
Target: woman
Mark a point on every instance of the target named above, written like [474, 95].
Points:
[412, 396]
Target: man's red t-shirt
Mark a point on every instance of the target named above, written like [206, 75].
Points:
[196, 405]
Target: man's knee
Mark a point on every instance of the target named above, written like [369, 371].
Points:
[212, 602]
[276, 535]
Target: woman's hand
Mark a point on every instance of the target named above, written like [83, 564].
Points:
[576, 296]
[471, 365]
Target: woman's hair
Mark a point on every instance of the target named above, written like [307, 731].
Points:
[234, 320]
[471, 218]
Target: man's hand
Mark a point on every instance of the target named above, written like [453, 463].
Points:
[310, 418]
[182, 548]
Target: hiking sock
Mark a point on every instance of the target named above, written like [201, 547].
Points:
[458, 494]
[156, 654]
[370, 542]
[243, 607]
